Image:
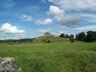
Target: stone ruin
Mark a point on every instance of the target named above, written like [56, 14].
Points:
[46, 34]
[8, 65]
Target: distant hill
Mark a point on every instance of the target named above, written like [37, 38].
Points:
[43, 39]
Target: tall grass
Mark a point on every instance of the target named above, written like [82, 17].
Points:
[52, 57]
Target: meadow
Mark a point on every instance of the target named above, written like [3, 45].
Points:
[58, 56]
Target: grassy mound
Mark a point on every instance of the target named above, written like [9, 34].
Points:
[52, 39]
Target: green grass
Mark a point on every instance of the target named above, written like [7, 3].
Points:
[52, 57]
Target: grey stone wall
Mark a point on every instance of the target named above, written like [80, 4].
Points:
[8, 65]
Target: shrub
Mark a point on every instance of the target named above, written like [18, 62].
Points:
[46, 40]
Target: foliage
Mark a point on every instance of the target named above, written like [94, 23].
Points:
[67, 36]
[81, 36]
[46, 40]
[62, 35]
[72, 38]
[89, 37]
[17, 41]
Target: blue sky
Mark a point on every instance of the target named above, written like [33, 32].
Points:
[31, 18]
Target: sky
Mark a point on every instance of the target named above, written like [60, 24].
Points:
[31, 18]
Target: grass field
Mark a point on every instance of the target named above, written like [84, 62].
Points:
[52, 57]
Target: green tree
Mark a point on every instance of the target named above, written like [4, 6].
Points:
[62, 35]
[72, 38]
[81, 36]
[91, 36]
[67, 36]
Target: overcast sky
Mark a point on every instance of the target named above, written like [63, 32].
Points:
[31, 18]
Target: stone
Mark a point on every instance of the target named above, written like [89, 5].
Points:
[8, 65]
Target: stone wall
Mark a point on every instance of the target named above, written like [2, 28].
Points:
[8, 65]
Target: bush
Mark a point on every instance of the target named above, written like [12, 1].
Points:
[46, 40]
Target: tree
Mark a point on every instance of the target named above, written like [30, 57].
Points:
[72, 38]
[62, 35]
[91, 36]
[67, 36]
[81, 36]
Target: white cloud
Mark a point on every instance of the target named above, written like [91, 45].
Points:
[44, 22]
[51, 0]
[8, 28]
[26, 17]
[89, 15]
[76, 4]
[44, 30]
[54, 10]
[87, 28]
[63, 19]
[89, 18]
[67, 30]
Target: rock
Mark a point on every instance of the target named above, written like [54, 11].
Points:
[7, 65]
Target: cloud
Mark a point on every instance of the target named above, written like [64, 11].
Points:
[34, 7]
[89, 15]
[44, 1]
[44, 22]
[75, 4]
[8, 28]
[70, 21]
[4, 36]
[75, 30]
[90, 18]
[7, 31]
[54, 10]
[7, 3]
[60, 8]
[51, 0]
[63, 19]
[44, 30]
[26, 17]
[67, 30]
[87, 28]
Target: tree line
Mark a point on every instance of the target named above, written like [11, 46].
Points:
[89, 36]
[27, 40]
[71, 37]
